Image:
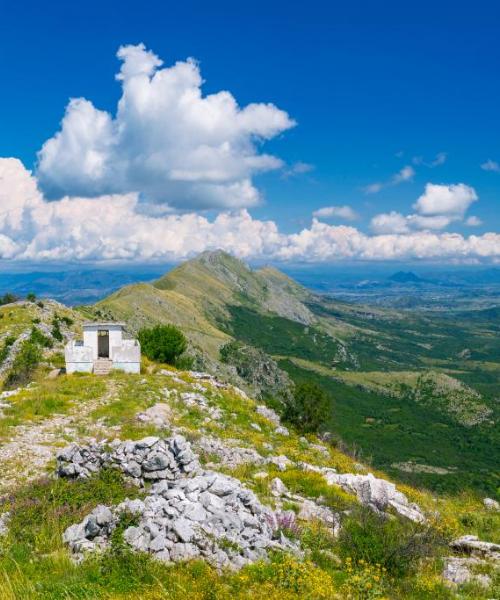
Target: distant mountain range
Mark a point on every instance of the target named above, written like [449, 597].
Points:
[72, 286]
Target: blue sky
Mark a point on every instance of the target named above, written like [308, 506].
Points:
[373, 88]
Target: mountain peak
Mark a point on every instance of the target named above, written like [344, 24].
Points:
[405, 277]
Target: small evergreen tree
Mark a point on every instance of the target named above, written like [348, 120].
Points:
[308, 408]
[56, 330]
[163, 343]
[8, 298]
[24, 364]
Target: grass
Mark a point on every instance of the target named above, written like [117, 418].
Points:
[34, 564]
[47, 398]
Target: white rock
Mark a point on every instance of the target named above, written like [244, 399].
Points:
[375, 493]
[471, 544]
[157, 415]
[281, 430]
[278, 488]
[268, 413]
[460, 571]
[491, 504]
[281, 461]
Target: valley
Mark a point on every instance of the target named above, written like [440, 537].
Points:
[373, 361]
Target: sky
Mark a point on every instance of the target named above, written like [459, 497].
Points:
[290, 132]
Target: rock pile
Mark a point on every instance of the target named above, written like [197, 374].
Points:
[150, 459]
[188, 513]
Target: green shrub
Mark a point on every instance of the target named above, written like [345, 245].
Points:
[56, 330]
[8, 298]
[308, 408]
[163, 343]
[7, 343]
[185, 363]
[24, 364]
[37, 337]
[396, 545]
[31, 297]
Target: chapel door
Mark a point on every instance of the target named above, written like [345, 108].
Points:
[103, 343]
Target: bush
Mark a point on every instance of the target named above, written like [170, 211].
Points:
[31, 297]
[163, 343]
[56, 330]
[8, 298]
[308, 408]
[7, 343]
[24, 364]
[395, 545]
[37, 337]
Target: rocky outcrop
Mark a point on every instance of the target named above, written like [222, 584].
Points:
[472, 545]
[257, 369]
[188, 513]
[377, 494]
[158, 415]
[228, 453]
[268, 413]
[13, 351]
[459, 571]
[480, 556]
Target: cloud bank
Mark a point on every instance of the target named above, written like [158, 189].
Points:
[167, 141]
[436, 208]
[115, 228]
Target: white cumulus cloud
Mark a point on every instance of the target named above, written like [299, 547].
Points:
[407, 173]
[452, 200]
[437, 207]
[393, 222]
[341, 212]
[167, 141]
[491, 165]
[473, 221]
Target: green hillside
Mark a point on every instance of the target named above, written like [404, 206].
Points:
[415, 385]
[331, 523]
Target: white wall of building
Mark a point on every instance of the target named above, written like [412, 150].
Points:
[125, 354]
[90, 337]
[78, 358]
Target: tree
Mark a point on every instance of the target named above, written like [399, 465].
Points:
[163, 343]
[24, 364]
[31, 297]
[8, 298]
[308, 408]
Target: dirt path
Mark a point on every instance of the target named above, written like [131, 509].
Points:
[33, 445]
